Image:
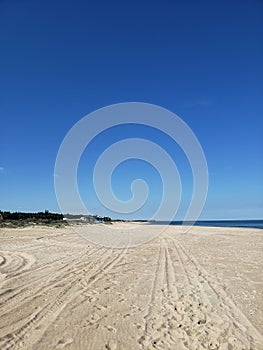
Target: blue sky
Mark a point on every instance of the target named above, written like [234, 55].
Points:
[61, 60]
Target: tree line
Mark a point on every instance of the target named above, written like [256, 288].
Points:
[46, 215]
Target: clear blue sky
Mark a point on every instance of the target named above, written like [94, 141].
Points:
[61, 60]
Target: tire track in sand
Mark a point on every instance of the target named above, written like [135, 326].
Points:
[163, 288]
[200, 315]
[225, 320]
[42, 319]
[20, 295]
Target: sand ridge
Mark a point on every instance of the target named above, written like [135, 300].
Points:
[177, 291]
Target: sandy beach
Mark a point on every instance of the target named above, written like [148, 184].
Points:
[197, 290]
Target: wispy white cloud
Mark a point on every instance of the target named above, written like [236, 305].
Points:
[2, 169]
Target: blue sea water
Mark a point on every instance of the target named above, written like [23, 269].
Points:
[221, 223]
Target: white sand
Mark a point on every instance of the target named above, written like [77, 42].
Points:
[197, 290]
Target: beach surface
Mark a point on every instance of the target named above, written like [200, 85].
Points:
[201, 289]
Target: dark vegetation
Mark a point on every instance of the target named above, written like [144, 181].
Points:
[21, 219]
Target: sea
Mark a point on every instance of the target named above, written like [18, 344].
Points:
[219, 223]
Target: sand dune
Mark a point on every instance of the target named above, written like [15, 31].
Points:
[197, 290]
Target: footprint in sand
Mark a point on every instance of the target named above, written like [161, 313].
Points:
[93, 318]
[111, 345]
[63, 342]
[111, 329]
[100, 307]
[137, 325]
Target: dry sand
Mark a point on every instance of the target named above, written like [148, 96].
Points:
[197, 290]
